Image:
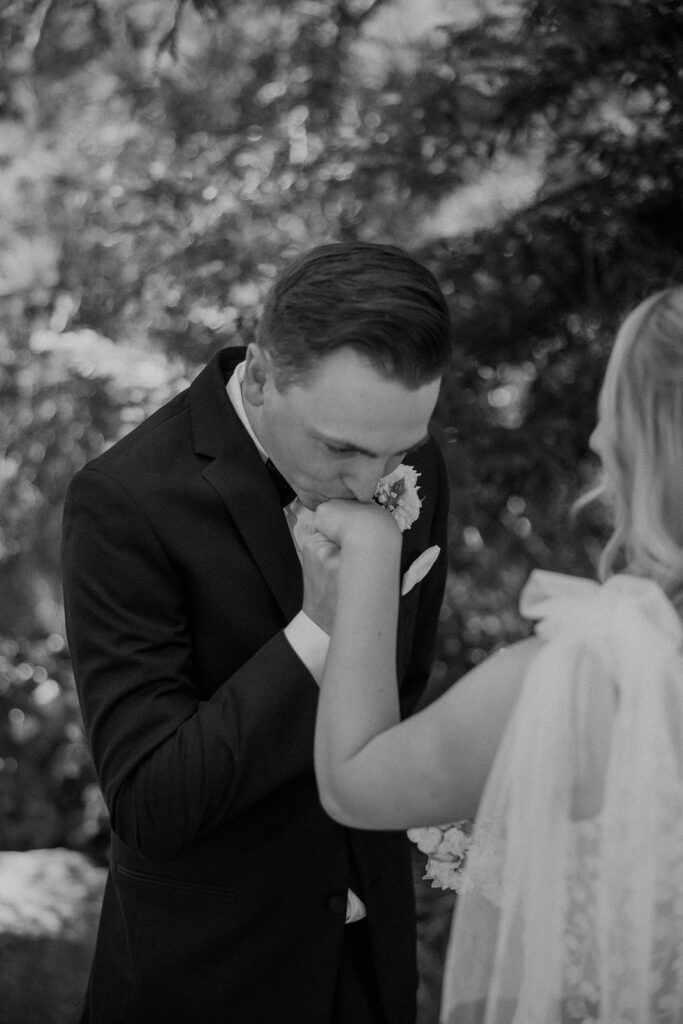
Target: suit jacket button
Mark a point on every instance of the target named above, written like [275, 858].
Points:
[337, 904]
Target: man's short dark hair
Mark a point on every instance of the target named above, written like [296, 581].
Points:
[373, 298]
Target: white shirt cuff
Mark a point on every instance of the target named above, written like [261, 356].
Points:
[310, 643]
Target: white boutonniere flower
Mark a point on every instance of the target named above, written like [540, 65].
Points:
[397, 493]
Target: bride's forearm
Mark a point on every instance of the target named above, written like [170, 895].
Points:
[360, 672]
[359, 697]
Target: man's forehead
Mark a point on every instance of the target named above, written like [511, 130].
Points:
[348, 366]
[349, 404]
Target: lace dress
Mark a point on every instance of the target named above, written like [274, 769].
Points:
[571, 905]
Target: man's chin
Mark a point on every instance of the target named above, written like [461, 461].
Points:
[311, 501]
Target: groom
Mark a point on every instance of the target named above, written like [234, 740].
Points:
[198, 638]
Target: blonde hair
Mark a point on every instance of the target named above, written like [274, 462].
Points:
[641, 443]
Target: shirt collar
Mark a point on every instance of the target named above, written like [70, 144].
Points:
[234, 390]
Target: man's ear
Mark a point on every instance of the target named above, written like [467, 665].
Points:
[257, 371]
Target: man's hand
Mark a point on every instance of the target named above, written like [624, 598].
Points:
[320, 563]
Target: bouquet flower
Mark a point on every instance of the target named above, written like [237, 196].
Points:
[446, 847]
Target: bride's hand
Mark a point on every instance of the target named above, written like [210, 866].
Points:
[352, 523]
[359, 536]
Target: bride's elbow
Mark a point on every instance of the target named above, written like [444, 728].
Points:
[336, 804]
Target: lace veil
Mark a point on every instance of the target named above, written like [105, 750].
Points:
[571, 904]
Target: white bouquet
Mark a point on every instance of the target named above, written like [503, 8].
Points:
[446, 847]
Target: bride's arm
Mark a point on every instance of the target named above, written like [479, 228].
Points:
[374, 771]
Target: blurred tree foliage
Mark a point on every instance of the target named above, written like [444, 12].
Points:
[158, 162]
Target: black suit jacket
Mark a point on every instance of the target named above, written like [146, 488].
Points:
[227, 887]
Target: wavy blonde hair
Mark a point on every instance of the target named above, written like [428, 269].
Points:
[640, 442]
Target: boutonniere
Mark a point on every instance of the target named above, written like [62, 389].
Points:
[397, 493]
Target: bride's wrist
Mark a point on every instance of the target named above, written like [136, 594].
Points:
[365, 579]
[373, 543]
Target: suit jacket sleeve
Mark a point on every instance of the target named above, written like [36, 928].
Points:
[171, 766]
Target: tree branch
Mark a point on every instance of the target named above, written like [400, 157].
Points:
[346, 18]
[169, 42]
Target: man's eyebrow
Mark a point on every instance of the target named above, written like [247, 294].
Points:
[350, 446]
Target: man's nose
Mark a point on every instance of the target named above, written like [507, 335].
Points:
[362, 490]
[363, 481]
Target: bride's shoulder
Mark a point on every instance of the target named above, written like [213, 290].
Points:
[505, 667]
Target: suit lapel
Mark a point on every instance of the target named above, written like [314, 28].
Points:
[238, 475]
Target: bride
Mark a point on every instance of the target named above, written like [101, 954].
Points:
[567, 746]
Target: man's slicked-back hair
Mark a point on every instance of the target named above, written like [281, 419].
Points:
[373, 298]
